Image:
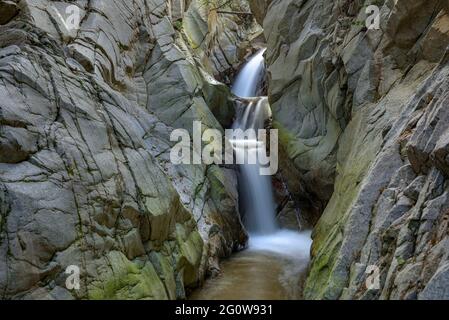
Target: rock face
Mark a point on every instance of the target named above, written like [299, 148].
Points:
[85, 176]
[259, 8]
[363, 118]
[220, 41]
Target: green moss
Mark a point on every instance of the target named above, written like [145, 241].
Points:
[323, 281]
[191, 247]
[320, 278]
[165, 271]
[178, 25]
[354, 160]
[401, 261]
[285, 137]
[70, 171]
[217, 189]
[127, 280]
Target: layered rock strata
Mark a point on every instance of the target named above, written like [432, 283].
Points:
[363, 119]
[86, 180]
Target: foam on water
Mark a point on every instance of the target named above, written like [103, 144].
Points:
[291, 244]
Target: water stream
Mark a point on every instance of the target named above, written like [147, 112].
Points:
[274, 265]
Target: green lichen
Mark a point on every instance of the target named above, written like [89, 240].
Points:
[165, 272]
[285, 137]
[191, 247]
[324, 281]
[125, 280]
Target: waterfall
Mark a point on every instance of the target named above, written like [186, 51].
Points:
[256, 190]
[256, 193]
[276, 261]
[247, 82]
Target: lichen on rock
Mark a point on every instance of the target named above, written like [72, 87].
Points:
[361, 117]
[85, 176]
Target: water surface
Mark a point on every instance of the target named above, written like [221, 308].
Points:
[271, 269]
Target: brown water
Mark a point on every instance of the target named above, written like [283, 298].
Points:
[253, 275]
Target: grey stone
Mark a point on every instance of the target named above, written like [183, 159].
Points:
[85, 177]
[437, 288]
[361, 119]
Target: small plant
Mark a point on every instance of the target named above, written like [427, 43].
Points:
[178, 25]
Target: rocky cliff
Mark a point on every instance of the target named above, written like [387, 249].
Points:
[86, 115]
[364, 121]
[85, 176]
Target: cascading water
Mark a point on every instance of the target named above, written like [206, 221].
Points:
[256, 190]
[247, 82]
[274, 265]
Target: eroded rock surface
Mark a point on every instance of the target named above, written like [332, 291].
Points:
[85, 176]
[363, 117]
[213, 35]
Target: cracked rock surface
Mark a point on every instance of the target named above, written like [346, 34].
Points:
[85, 174]
[363, 116]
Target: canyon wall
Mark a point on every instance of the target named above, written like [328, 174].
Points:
[363, 118]
[85, 123]
[85, 176]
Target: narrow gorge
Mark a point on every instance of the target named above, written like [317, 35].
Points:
[92, 205]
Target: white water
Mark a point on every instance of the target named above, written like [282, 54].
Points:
[256, 190]
[248, 80]
[275, 265]
[292, 244]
